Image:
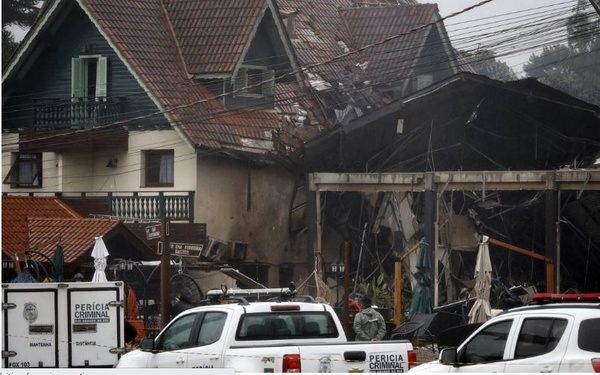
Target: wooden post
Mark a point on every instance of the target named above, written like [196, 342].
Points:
[398, 285]
[346, 309]
[165, 266]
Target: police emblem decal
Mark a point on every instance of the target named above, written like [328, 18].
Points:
[30, 312]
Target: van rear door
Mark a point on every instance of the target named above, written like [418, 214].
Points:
[30, 326]
[95, 317]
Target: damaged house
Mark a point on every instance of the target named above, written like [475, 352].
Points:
[465, 157]
[121, 107]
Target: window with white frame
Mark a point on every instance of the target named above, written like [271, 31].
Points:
[158, 168]
[254, 81]
[89, 76]
[26, 170]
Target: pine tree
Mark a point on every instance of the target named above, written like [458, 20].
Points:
[15, 13]
[573, 67]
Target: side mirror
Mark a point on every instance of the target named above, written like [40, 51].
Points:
[449, 357]
[147, 345]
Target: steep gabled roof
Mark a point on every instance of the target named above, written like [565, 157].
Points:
[212, 34]
[77, 235]
[15, 212]
[395, 59]
[140, 31]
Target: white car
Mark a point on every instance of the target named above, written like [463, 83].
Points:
[546, 337]
[267, 337]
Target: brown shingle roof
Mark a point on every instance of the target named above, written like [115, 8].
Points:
[78, 235]
[212, 33]
[141, 32]
[394, 59]
[15, 213]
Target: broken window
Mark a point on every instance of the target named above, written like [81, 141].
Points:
[254, 81]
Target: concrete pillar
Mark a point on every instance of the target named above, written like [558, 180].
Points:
[552, 249]
[429, 227]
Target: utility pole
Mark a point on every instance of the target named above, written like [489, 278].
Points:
[165, 265]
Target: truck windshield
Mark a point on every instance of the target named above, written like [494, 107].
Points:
[286, 325]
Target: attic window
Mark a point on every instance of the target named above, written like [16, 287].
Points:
[26, 171]
[254, 81]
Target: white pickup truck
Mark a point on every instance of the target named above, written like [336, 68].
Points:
[266, 337]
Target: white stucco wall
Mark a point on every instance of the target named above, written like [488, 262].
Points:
[87, 172]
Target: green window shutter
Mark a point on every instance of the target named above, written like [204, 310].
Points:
[241, 81]
[269, 82]
[101, 77]
[77, 79]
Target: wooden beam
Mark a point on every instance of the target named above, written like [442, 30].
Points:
[398, 286]
[520, 250]
[550, 269]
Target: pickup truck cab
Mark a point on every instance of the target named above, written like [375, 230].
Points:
[546, 337]
[266, 337]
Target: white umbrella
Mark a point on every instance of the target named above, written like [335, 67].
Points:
[99, 253]
[481, 311]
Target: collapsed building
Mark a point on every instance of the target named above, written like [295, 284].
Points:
[523, 162]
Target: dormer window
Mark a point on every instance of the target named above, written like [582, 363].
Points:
[254, 81]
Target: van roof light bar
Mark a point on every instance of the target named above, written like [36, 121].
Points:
[540, 298]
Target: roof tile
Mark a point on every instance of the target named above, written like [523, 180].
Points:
[15, 212]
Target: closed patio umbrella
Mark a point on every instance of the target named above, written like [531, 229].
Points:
[99, 253]
[481, 310]
[58, 261]
[422, 295]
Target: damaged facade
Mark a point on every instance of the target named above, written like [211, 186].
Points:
[117, 111]
[483, 130]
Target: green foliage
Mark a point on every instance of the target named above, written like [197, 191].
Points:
[20, 13]
[378, 290]
[573, 67]
[484, 62]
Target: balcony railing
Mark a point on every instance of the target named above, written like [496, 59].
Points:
[76, 112]
[176, 206]
[138, 206]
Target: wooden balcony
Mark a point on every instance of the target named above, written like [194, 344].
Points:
[129, 206]
[76, 112]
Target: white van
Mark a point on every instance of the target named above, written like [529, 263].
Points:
[76, 324]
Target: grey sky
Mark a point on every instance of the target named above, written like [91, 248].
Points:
[496, 8]
[456, 26]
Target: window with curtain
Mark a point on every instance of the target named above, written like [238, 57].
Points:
[26, 170]
[159, 168]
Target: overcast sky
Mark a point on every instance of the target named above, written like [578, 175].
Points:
[496, 8]
[478, 16]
